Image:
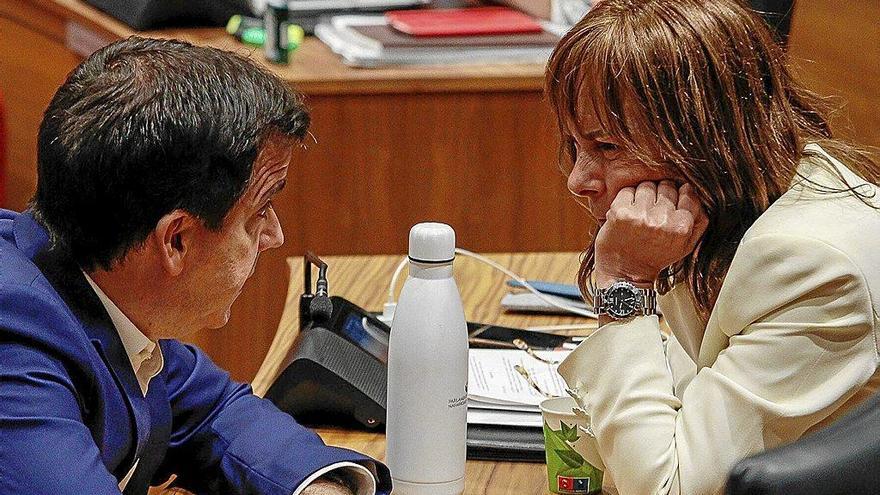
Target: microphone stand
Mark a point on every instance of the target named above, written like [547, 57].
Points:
[317, 305]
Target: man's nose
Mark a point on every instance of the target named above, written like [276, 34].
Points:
[273, 236]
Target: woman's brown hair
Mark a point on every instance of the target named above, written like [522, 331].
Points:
[700, 88]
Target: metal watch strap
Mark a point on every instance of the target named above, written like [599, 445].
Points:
[648, 303]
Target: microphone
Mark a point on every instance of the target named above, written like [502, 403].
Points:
[321, 307]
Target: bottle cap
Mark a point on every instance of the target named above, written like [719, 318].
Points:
[431, 242]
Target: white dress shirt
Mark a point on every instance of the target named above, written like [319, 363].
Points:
[147, 362]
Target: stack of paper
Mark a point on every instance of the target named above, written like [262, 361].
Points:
[368, 41]
[500, 395]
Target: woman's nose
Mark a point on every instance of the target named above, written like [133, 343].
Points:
[584, 180]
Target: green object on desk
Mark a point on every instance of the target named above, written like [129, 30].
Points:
[568, 442]
[249, 30]
[257, 36]
[233, 24]
[238, 23]
[567, 470]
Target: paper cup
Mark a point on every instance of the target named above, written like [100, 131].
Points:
[573, 463]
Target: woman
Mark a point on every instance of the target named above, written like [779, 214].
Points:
[715, 179]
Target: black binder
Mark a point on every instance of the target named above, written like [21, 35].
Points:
[505, 443]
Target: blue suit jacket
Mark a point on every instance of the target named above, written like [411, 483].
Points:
[73, 419]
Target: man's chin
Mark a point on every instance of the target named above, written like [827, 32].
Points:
[219, 320]
[213, 321]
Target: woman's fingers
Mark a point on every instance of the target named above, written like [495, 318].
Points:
[667, 194]
[624, 198]
[650, 227]
[646, 194]
[688, 201]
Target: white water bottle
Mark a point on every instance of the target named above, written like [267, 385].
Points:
[426, 425]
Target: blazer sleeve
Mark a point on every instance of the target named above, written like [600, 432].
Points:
[45, 447]
[227, 440]
[802, 341]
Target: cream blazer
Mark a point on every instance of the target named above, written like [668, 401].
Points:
[791, 345]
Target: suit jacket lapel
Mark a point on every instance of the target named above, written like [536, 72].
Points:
[157, 444]
[714, 341]
[67, 279]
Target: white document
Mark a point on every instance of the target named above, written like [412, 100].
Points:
[492, 378]
[505, 418]
[474, 403]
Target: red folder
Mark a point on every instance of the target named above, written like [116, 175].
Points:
[462, 22]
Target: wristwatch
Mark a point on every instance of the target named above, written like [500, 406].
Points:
[622, 300]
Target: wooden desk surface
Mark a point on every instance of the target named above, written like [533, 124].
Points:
[314, 69]
[364, 280]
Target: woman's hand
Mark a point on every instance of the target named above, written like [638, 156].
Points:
[647, 228]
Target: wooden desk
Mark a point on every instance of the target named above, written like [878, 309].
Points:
[364, 280]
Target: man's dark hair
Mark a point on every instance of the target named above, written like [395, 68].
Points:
[145, 126]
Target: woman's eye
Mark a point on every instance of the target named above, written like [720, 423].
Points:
[608, 147]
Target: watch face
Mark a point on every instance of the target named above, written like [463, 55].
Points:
[622, 300]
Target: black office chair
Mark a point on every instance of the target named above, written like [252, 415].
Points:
[841, 459]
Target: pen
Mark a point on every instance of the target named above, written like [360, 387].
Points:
[490, 343]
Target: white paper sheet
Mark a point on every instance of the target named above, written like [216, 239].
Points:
[492, 378]
[505, 418]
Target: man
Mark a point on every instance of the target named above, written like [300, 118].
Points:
[157, 165]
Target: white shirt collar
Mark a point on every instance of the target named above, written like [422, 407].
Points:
[144, 354]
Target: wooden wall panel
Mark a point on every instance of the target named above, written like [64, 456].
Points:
[483, 162]
[835, 49]
[32, 66]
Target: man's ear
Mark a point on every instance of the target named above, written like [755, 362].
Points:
[173, 236]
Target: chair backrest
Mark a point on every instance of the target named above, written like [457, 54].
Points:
[843, 458]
